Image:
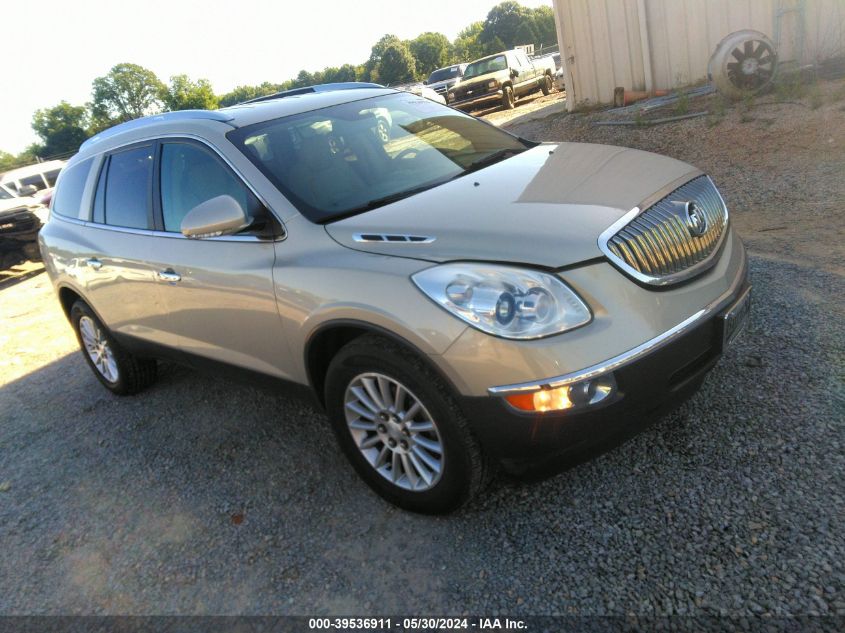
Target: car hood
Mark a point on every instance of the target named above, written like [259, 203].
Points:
[445, 83]
[499, 75]
[546, 206]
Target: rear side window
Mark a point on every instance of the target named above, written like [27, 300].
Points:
[51, 176]
[190, 175]
[68, 197]
[36, 180]
[127, 188]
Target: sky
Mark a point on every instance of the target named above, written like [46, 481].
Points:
[55, 52]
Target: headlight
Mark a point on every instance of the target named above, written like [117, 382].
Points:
[507, 302]
[493, 84]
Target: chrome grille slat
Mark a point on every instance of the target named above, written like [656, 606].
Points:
[664, 244]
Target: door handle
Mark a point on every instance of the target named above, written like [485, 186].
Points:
[169, 276]
[94, 263]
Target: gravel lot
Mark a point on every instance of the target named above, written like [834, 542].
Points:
[205, 497]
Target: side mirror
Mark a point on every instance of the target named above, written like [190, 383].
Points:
[514, 72]
[27, 190]
[222, 215]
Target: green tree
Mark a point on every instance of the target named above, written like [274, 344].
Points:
[370, 71]
[184, 94]
[30, 155]
[430, 51]
[305, 79]
[7, 161]
[466, 46]
[62, 128]
[127, 92]
[245, 93]
[544, 24]
[346, 72]
[396, 65]
[329, 74]
[526, 33]
[502, 22]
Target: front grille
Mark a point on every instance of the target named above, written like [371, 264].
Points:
[441, 89]
[20, 222]
[673, 239]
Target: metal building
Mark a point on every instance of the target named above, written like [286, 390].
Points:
[660, 44]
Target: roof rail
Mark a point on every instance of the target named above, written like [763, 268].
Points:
[178, 115]
[340, 85]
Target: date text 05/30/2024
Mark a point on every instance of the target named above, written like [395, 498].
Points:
[411, 624]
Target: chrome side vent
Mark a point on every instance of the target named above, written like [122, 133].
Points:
[674, 239]
[400, 238]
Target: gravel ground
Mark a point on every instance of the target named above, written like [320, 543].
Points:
[204, 497]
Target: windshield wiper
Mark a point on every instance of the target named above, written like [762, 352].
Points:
[392, 197]
[490, 159]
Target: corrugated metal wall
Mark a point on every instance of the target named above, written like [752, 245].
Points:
[659, 44]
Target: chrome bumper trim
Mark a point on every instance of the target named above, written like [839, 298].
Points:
[487, 96]
[636, 353]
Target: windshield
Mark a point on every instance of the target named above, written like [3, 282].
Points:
[444, 74]
[487, 65]
[352, 157]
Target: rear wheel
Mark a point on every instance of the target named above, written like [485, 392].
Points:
[120, 372]
[507, 98]
[399, 425]
[546, 84]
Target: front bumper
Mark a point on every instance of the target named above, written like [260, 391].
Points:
[471, 103]
[648, 387]
[651, 379]
[17, 229]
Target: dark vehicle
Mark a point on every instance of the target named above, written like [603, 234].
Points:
[443, 79]
[19, 226]
[501, 78]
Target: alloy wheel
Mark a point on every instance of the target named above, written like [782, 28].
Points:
[98, 349]
[394, 431]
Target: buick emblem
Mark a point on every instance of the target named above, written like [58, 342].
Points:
[696, 220]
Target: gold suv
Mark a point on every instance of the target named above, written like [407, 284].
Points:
[454, 296]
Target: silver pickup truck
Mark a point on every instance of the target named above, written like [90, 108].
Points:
[501, 78]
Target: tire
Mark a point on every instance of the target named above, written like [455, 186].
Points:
[507, 98]
[463, 469]
[546, 84]
[120, 372]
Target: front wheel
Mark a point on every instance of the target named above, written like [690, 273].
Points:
[119, 371]
[546, 84]
[400, 427]
[507, 98]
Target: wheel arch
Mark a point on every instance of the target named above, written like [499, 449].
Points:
[67, 297]
[327, 340]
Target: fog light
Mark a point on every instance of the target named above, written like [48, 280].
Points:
[578, 395]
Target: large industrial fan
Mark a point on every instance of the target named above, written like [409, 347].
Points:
[743, 63]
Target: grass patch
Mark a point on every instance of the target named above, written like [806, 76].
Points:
[682, 104]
